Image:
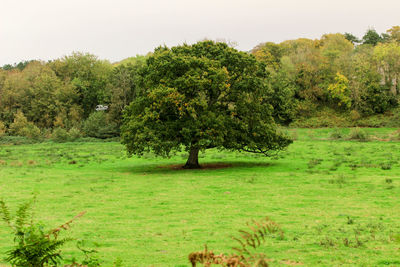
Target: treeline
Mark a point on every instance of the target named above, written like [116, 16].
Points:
[37, 97]
[336, 74]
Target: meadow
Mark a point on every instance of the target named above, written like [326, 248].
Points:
[337, 201]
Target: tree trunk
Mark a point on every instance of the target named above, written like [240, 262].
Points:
[193, 160]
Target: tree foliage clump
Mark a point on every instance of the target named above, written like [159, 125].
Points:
[2, 129]
[98, 126]
[21, 127]
[201, 96]
[340, 91]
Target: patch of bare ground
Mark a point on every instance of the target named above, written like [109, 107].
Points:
[290, 262]
[205, 166]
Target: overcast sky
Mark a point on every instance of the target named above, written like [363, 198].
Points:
[117, 29]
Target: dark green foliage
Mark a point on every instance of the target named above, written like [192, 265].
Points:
[386, 166]
[125, 86]
[371, 37]
[20, 66]
[282, 97]
[376, 97]
[202, 96]
[34, 249]
[352, 38]
[98, 126]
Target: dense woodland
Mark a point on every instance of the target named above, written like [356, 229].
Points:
[337, 80]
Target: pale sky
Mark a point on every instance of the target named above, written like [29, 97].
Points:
[117, 29]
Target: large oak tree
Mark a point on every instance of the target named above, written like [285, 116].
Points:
[206, 95]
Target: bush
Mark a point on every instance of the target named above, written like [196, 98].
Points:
[30, 131]
[336, 134]
[358, 134]
[60, 135]
[21, 127]
[98, 126]
[33, 247]
[20, 122]
[74, 133]
[395, 136]
[354, 115]
[2, 129]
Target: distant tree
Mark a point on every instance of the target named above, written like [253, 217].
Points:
[353, 39]
[7, 67]
[371, 37]
[137, 60]
[394, 33]
[22, 127]
[20, 65]
[13, 95]
[269, 53]
[90, 76]
[304, 58]
[201, 96]
[282, 97]
[340, 92]
[125, 79]
[387, 58]
[97, 125]
[369, 95]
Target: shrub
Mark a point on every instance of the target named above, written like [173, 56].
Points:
[30, 131]
[386, 166]
[20, 122]
[336, 134]
[314, 162]
[395, 136]
[74, 133]
[46, 133]
[60, 135]
[21, 127]
[97, 126]
[33, 247]
[2, 129]
[354, 115]
[358, 134]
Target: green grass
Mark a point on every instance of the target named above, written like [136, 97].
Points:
[337, 201]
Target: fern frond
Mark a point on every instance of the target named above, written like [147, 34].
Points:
[5, 213]
[22, 215]
[54, 232]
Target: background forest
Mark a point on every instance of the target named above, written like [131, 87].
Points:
[335, 81]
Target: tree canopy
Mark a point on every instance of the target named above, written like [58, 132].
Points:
[201, 96]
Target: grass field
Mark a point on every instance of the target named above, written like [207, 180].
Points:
[337, 201]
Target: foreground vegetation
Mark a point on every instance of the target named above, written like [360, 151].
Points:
[334, 198]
